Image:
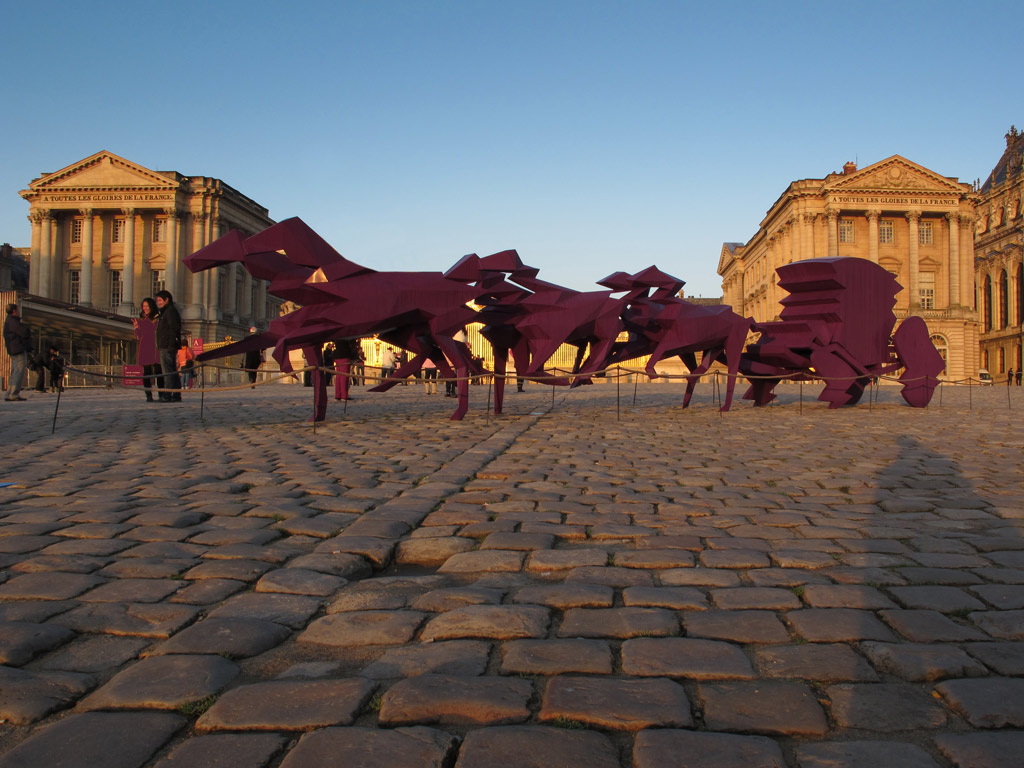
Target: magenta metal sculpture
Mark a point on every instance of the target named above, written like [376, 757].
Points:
[836, 325]
[836, 322]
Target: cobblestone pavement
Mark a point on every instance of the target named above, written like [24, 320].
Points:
[568, 585]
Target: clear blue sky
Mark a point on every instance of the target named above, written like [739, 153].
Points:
[592, 136]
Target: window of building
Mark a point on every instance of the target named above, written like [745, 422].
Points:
[159, 230]
[74, 286]
[986, 301]
[941, 345]
[1002, 360]
[924, 233]
[1004, 300]
[926, 290]
[846, 230]
[886, 235]
[116, 287]
[157, 282]
[76, 231]
[117, 231]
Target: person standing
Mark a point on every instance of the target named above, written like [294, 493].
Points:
[1009, 378]
[17, 339]
[55, 365]
[429, 376]
[168, 342]
[149, 357]
[387, 364]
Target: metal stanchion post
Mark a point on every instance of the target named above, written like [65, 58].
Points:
[53, 427]
[618, 378]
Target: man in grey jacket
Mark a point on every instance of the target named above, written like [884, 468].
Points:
[17, 340]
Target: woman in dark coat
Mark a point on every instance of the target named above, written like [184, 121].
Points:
[149, 358]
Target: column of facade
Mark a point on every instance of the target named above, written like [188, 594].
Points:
[807, 241]
[833, 231]
[45, 253]
[914, 219]
[85, 276]
[230, 308]
[245, 305]
[873, 235]
[36, 220]
[966, 258]
[213, 288]
[171, 260]
[128, 265]
[261, 302]
[796, 239]
[771, 257]
[194, 310]
[953, 220]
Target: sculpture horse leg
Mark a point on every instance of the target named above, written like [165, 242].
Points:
[733, 352]
[690, 361]
[314, 356]
[500, 366]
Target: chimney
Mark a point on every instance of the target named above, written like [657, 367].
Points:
[849, 168]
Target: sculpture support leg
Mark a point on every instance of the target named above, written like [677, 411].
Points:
[315, 357]
[341, 381]
[500, 366]
[462, 387]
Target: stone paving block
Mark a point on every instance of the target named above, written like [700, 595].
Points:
[884, 707]
[127, 590]
[498, 622]
[207, 591]
[669, 748]
[357, 628]
[556, 657]
[981, 750]
[235, 638]
[619, 578]
[1002, 596]
[942, 599]
[654, 558]
[827, 663]
[565, 559]
[377, 551]
[491, 561]
[432, 552]
[615, 704]
[85, 740]
[254, 750]
[685, 657]
[298, 581]
[48, 586]
[236, 570]
[922, 661]
[21, 641]
[287, 706]
[163, 682]
[945, 576]
[838, 625]
[845, 596]
[144, 620]
[764, 598]
[1002, 625]
[291, 610]
[145, 568]
[791, 558]
[454, 657]
[523, 542]
[920, 626]
[863, 754]
[341, 564]
[440, 600]
[95, 653]
[734, 558]
[871, 576]
[27, 696]
[676, 598]
[698, 577]
[564, 596]
[1003, 658]
[618, 622]
[773, 707]
[533, 745]
[994, 702]
[414, 747]
[736, 626]
[65, 563]
[456, 701]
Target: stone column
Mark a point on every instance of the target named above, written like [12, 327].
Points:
[230, 310]
[171, 261]
[966, 258]
[245, 305]
[807, 241]
[194, 310]
[833, 231]
[85, 281]
[36, 220]
[796, 239]
[873, 235]
[213, 289]
[953, 290]
[771, 256]
[128, 265]
[261, 302]
[45, 253]
[914, 219]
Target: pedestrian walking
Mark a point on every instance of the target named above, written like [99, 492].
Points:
[17, 339]
[148, 355]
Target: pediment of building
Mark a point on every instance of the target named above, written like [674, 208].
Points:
[727, 256]
[894, 174]
[104, 170]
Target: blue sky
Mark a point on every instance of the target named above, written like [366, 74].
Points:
[591, 136]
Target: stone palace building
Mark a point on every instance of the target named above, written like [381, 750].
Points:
[1000, 272]
[107, 232]
[915, 223]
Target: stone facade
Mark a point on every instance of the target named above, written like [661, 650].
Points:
[999, 276]
[915, 223]
[107, 232]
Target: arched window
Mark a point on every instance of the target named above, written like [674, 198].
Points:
[1004, 300]
[1020, 294]
[986, 299]
[942, 346]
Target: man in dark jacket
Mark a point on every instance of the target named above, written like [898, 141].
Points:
[17, 340]
[168, 341]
